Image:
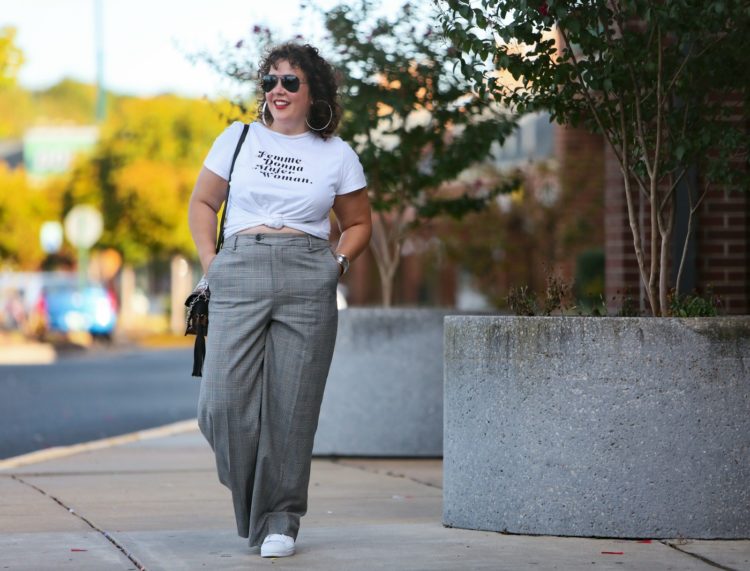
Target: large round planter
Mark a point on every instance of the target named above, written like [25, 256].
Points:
[599, 427]
[384, 394]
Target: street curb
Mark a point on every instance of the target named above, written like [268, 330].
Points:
[56, 452]
[28, 354]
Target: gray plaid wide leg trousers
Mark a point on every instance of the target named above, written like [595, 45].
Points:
[272, 329]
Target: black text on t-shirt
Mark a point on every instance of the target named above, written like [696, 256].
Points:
[281, 167]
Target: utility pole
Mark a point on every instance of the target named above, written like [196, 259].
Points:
[101, 109]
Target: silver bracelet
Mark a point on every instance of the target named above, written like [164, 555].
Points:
[343, 261]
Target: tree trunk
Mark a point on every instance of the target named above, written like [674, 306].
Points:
[387, 239]
[386, 290]
[693, 208]
[634, 224]
[666, 222]
[663, 271]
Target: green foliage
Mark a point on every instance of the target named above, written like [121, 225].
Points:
[556, 299]
[237, 63]
[142, 172]
[14, 101]
[556, 295]
[664, 82]
[487, 247]
[628, 306]
[22, 211]
[68, 101]
[166, 128]
[524, 233]
[15, 111]
[694, 305]
[11, 57]
[522, 302]
[414, 123]
[589, 278]
[466, 203]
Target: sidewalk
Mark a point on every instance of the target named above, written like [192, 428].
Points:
[18, 350]
[15, 351]
[156, 504]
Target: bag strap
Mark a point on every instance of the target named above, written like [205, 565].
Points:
[220, 238]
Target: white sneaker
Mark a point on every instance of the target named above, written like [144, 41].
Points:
[277, 545]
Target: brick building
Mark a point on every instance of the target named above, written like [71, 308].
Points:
[718, 256]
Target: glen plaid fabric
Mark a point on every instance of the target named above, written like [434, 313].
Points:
[269, 347]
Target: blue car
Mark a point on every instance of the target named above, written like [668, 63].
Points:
[67, 307]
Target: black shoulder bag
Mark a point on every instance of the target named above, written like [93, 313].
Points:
[197, 302]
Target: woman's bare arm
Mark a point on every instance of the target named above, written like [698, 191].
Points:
[353, 214]
[209, 192]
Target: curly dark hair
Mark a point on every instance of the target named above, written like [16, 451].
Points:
[321, 80]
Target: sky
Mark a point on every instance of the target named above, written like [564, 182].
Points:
[145, 41]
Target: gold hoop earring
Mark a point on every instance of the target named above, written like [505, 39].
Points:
[324, 127]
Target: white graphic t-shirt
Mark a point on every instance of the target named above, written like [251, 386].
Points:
[283, 180]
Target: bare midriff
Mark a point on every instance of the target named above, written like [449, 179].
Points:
[268, 230]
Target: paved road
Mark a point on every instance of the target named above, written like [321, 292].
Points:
[87, 397]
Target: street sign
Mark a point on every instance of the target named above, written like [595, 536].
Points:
[51, 237]
[83, 226]
[52, 150]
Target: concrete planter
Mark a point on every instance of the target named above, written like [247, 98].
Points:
[609, 427]
[384, 395]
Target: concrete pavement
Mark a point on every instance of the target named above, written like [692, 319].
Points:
[27, 353]
[155, 503]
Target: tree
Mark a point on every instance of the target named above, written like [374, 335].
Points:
[66, 102]
[11, 57]
[69, 101]
[142, 172]
[519, 239]
[415, 124]
[15, 103]
[663, 82]
[22, 211]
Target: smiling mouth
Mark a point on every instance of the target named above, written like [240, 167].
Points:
[280, 104]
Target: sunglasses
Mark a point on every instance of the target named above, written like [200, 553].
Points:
[289, 82]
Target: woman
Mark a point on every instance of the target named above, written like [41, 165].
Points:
[273, 288]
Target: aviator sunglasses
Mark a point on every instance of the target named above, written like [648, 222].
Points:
[289, 82]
